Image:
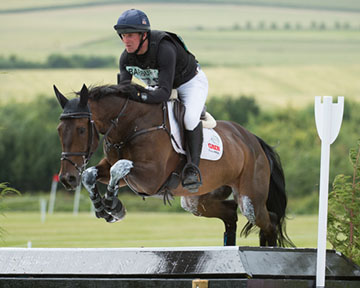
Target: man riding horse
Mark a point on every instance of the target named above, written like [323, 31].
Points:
[161, 60]
[250, 170]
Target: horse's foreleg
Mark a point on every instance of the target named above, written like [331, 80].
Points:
[118, 171]
[113, 206]
[89, 178]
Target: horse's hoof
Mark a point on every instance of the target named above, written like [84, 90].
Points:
[106, 216]
[118, 212]
[115, 208]
[111, 220]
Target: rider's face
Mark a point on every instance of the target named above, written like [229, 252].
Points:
[131, 41]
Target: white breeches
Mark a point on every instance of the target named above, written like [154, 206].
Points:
[193, 94]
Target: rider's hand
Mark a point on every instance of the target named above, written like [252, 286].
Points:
[138, 93]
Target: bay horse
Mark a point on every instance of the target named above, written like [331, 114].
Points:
[138, 153]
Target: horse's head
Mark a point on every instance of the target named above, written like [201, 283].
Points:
[78, 137]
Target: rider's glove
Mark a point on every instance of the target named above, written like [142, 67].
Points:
[138, 93]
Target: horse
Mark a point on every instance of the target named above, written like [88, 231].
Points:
[138, 153]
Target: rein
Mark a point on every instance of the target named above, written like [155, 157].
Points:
[129, 138]
[122, 144]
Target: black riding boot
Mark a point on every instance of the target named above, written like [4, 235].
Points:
[191, 174]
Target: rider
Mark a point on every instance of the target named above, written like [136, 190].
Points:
[161, 60]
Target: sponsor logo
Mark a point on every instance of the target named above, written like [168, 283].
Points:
[149, 76]
[215, 140]
[213, 147]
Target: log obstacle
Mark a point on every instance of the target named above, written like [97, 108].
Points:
[215, 267]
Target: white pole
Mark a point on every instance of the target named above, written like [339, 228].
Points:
[328, 117]
[323, 211]
[43, 209]
[53, 194]
[77, 200]
[92, 208]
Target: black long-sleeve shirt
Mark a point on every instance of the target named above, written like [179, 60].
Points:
[166, 62]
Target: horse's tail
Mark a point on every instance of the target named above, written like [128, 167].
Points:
[277, 199]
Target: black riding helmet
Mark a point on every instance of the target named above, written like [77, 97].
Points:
[133, 21]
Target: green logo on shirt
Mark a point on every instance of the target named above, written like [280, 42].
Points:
[149, 76]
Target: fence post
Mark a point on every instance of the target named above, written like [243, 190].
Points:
[77, 200]
[328, 118]
[55, 181]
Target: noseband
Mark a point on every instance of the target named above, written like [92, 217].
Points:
[86, 155]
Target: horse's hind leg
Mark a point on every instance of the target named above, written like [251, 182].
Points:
[215, 205]
[269, 237]
[251, 195]
[254, 209]
[268, 232]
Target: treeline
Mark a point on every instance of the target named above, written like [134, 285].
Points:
[294, 26]
[56, 61]
[30, 148]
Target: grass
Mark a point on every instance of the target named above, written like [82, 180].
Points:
[138, 229]
[317, 4]
[278, 67]
[88, 31]
[271, 86]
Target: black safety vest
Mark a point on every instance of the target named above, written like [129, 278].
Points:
[147, 69]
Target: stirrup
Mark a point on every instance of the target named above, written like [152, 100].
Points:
[191, 187]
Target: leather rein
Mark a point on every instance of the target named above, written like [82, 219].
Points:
[92, 130]
[114, 123]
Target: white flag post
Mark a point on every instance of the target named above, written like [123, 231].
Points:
[54, 184]
[328, 118]
[77, 200]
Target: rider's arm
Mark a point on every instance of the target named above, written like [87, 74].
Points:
[125, 76]
[166, 60]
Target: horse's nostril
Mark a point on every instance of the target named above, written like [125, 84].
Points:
[62, 178]
[71, 179]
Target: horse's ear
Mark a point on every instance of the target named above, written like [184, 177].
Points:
[84, 96]
[61, 98]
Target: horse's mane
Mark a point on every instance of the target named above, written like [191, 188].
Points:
[122, 90]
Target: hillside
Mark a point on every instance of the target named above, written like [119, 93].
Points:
[18, 6]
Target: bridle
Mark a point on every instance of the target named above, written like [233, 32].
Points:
[92, 130]
[86, 155]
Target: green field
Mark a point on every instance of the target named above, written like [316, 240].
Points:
[213, 32]
[136, 230]
[279, 67]
[271, 86]
[282, 55]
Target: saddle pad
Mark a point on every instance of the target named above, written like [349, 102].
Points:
[212, 148]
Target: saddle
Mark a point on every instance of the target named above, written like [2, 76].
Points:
[207, 119]
[179, 111]
[174, 179]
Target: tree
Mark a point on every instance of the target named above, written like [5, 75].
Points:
[238, 109]
[4, 190]
[344, 207]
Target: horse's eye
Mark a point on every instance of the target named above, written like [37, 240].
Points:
[81, 130]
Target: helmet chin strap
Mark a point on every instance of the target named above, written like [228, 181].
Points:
[141, 42]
